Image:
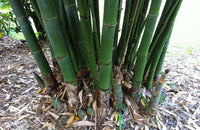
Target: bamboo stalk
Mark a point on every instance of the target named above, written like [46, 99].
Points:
[162, 23]
[96, 12]
[63, 23]
[158, 49]
[76, 33]
[118, 52]
[128, 38]
[140, 26]
[117, 87]
[168, 10]
[135, 30]
[161, 60]
[88, 36]
[95, 31]
[153, 104]
[118, 22]
[33, 44]
[145, 43]
[105, 60]
[57, 40]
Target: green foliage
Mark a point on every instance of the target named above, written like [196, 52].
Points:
[80, 114]
[4, 5]
[56, 103]
[120, 120]
[7, 19]
[8, 22]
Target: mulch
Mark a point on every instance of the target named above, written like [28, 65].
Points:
[22, 108]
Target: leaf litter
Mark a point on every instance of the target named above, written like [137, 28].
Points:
[24, 106]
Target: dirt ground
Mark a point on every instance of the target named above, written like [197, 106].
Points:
[19, 103]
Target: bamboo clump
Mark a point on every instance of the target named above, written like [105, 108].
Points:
[82, 53]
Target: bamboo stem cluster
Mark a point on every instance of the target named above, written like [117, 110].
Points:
[73, 30]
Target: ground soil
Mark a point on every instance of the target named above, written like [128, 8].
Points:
[20, 106]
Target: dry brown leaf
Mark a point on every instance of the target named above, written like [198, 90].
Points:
[109, 123]
[22, 109]
[66, 114]
[126, 84]
[47, 108]
[112, 116]
[189, 127]
[146, 127]
[161, 108]
[71, 120]
[80, 94]
[116, 117]
[53, 115]
[22, 117]
[83, 123]
[50, 126]
[6, 118]
[143, 104]
[42, 90]
[63, 94]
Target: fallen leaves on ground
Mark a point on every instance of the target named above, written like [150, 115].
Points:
[22, 106]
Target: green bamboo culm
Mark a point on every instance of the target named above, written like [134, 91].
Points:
[76, 33]
[36, 9]
[169, 7]
[158, 72]
[118, 52]
[140, 26]
[30, 37]
[153, 104]
[96, 12]
[34, 46]
[118, 22]
[135, 31]
[88, 35]
[105, 60]
[95, 31]
[158, 49]
[145, 43]
[64, 25]
[167, 12]
[57, 40]
[117, 87]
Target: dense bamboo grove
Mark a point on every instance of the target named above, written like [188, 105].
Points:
[81, 53]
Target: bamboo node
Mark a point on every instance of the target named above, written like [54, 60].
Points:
[48, 19]
[80, 42]
[89, 52]
[104, 64]
[153, 15]
[22, 17]
[142, 54]
[70, 5]
[86, 16]
[110, 25]
[61, 57]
